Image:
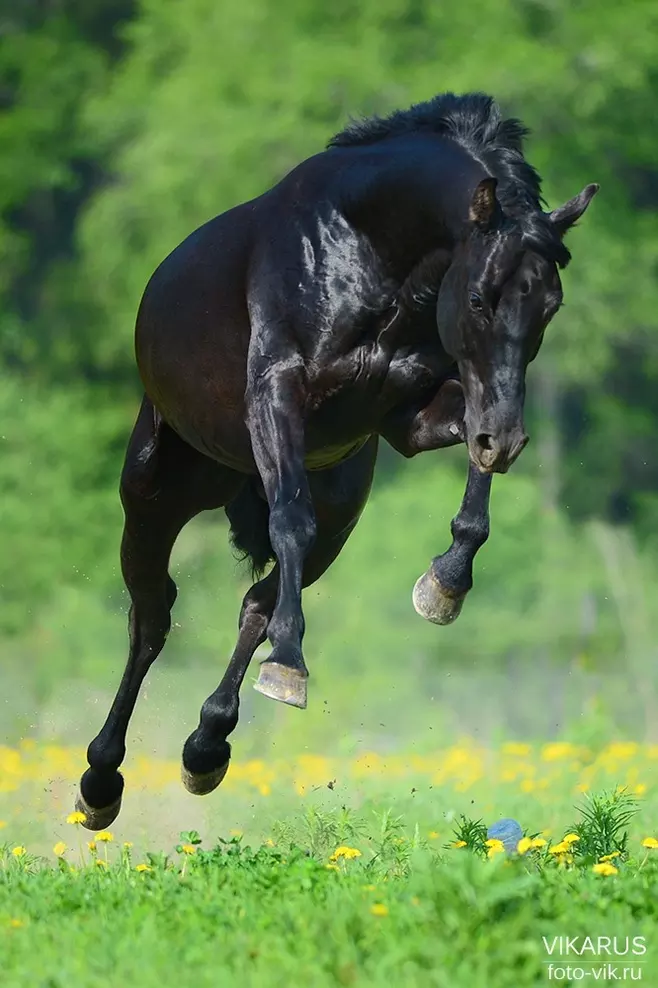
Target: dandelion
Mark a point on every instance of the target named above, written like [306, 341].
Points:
[188, 849]
[3, 823]
[141, 868]
[570, 839]
[560, 848]
[459, 843]
[105, 836]
[494, 846]
[640, 789]
[332, 867]
[605, 868]
[91, 844]
[434, 835]
[16, 924]
[19, 851]
[100, 862]
[59, 849]
[650, 842]
[127, 844]
[76, 818]
[379, 909]
[524, 845]
[539, 842]
[609, 857]
[345, 852]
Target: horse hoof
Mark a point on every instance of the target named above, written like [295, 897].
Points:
[97, 819]
[434, 603]
[201, 783]
[282, 683]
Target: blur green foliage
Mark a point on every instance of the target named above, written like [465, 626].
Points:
[125, 125]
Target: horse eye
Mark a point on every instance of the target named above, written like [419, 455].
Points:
[475, 301]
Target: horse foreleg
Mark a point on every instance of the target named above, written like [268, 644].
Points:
[439, 594]
[275, 399]
[339, 495]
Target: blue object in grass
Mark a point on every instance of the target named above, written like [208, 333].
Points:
[508, 831]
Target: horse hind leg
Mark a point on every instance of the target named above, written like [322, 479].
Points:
[339, 496]
[164, 484]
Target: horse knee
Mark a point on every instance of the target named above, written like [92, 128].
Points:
[292, 526]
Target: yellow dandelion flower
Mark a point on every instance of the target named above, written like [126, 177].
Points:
[101, 863]
[609, 857]
[345, 852]
[19, 851]
[127, 844]
[494, 847]
[640, 789]
[59, 849]
[105, 836]
[16, 924]
[3, 823]
[188, 849]
[459, 843]
[91, 844]
[605, 868]
[650, 842]
[560, 848]
[332, 867]
[269, 842]
[76, 817]
[143, 867]
[524, 845]
[434, 835]
[570, 839]
[379, 909]
[264, 789]
[539, 842]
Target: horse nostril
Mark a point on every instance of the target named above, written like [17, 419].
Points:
[485, 441]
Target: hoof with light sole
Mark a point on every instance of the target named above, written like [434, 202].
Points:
[434, 603]
[282, 683]
[97, 819]
[201, 783]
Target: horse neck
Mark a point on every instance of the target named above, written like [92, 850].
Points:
[415, 199]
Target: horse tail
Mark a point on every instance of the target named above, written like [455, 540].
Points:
[249, 516]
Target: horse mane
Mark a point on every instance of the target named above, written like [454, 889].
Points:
[475, 122]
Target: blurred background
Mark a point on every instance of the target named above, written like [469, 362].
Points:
[124, 124]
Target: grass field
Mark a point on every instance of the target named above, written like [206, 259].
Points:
[345, 872]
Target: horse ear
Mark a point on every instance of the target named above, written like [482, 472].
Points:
[483, 203]
[564, 217]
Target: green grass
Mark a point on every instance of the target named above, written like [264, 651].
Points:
[402, 914]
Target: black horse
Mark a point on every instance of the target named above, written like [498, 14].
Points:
[276, 345]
